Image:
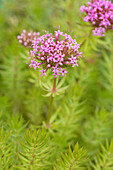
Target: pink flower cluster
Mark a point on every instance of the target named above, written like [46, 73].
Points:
[54, 52]
[100, 14]
[27, 38]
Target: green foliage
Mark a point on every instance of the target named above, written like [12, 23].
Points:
[5, 150]
[36, 150]
[96, 130]
[73, 160]
[104, 159]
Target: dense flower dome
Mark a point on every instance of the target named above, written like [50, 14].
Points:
[100, 14]
[54, 52]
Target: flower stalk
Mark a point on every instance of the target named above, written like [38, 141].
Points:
[51, 101]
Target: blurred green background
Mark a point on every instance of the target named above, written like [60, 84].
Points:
[84, 112]
[19, 85]
[18, 91]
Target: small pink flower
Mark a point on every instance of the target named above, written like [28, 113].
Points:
[63, 72]
[43, 72]
[99, 31]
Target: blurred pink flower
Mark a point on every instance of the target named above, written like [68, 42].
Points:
[27, 38]
[100, 14]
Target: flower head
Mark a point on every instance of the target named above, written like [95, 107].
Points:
[27, 38]
[54, 52]
[100, 14]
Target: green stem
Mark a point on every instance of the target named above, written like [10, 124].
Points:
[51, 101]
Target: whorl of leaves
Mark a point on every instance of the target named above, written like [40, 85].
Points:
[74, 159]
